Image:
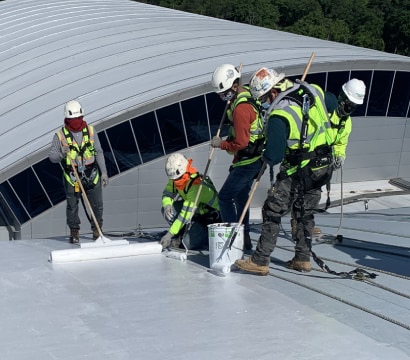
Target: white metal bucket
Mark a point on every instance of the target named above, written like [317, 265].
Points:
[219, 238]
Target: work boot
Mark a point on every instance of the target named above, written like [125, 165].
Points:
[249, 266]
[247, 242]
[74, 236]
[316, 231]
[303, 266]
[96, 234]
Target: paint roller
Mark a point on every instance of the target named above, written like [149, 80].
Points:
[177, 255]
[221, 269]
[102, 247]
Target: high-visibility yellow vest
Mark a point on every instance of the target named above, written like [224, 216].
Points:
[257, 133]
[81, 155]
[318, 125]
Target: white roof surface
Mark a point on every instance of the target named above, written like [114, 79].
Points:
[116, 56]
[153, 307]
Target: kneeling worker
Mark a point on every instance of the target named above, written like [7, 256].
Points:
[178, 201]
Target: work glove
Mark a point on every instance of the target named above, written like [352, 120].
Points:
[216, 142]
[65, 150]
[339, 161]
[104, 180]
[168, 213]
[166, 240]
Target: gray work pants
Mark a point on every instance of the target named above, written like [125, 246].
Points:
[96, 201]
[282, 200]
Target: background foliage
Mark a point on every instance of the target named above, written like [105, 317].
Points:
[376, 24]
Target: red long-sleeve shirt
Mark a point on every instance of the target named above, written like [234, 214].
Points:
[243, 116]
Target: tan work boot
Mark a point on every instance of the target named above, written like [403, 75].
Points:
[74, 236]
[249, 266]
[316, 231]
[303, 266]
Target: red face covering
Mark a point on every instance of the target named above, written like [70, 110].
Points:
[183, 180]
[75, 125]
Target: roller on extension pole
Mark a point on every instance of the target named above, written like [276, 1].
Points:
[102, 247]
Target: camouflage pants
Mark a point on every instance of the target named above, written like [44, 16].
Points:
[283, 199]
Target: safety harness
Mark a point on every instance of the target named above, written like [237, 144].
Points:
[253, 150]
[84, 155]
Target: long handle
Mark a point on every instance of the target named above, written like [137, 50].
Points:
[312, 56]
[248, 202]
[85, 196]
[235, 231]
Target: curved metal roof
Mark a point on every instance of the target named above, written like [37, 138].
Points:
[118, 57]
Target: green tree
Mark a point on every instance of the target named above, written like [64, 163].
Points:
[397, 29]
[291, 11]
[376, 24]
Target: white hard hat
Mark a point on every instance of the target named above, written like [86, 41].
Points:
[176, 165]
[355, 91]
[264, 80]
[73, 110]
[224, 76]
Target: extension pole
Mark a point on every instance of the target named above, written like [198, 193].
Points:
[235, 231]
[85, 197]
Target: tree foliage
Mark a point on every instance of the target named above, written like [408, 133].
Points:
[376, 24]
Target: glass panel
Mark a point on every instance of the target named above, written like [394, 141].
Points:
[51, 176]
[380, 93]
[172, 130]
[318, 79]
[110, 163]
[30, 192]
[5, 217]
[335, 81]
[366, 77]
[400, 97]
[123, 145]
[196, 120]
[13, 203]
[215, 112]
[147, 134]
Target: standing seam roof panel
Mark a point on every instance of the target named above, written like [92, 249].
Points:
[118, 56]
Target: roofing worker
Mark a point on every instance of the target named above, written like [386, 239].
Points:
[350, 97]
[78, 141]
[245, 141]
[298, 137]
[178, 202]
